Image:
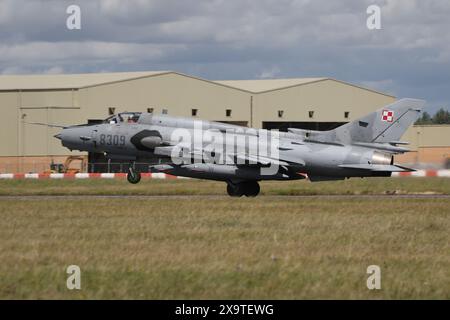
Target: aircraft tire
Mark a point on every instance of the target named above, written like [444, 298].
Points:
[252, 189]
[235, 190]
[133, 177]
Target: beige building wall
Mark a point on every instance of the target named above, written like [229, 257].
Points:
[430, 144]
[51, 107]
[329, 99]
[428, 136]
[24, 145]
[174, 92]
[426, 156]
[9, 128]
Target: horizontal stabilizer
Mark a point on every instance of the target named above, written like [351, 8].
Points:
[404, 143]
[383, 146]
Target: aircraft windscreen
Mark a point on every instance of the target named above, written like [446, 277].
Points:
[123, 117]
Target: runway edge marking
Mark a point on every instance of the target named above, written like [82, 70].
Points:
[160, 175]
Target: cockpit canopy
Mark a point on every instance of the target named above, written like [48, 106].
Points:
[123, 117]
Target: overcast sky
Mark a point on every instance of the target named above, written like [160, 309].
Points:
[238, 39]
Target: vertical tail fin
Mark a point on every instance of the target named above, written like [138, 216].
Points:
[384, 125]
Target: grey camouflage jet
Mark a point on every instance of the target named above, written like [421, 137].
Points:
[240, 156]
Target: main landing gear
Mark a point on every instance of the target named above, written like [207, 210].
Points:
[133, 176]
[247, 188]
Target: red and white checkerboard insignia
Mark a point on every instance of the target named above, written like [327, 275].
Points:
[387, 116]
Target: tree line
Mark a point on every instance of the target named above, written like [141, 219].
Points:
[440, 117]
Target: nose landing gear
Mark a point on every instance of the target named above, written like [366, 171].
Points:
[247, 188]
[133, 176]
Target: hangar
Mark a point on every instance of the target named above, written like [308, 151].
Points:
[64, 99]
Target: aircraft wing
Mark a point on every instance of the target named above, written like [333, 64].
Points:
[377, 167]
[246, 159]
[260, 160]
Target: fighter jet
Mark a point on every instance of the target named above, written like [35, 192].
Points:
[242, 156]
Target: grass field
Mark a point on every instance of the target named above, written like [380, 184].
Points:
[270, 247]
[203, 187]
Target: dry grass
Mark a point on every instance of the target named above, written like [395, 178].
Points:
[203, 187]
[203, 247]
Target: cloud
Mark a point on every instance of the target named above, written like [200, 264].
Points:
[54, 70]
[89, 56]
[233, 39]
[269, 73]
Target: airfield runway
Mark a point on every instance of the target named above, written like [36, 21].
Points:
[215, 196]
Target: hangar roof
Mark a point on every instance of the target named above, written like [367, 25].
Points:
[267, 84]
[82, 80]
[67, 81]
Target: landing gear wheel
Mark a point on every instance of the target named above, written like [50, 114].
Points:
[252, 189]
[235, 190]
[133, 176]
[249, 189]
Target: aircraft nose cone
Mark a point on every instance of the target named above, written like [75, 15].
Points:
[58, 136]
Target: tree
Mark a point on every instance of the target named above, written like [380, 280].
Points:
[441, 117]
[424, 119]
